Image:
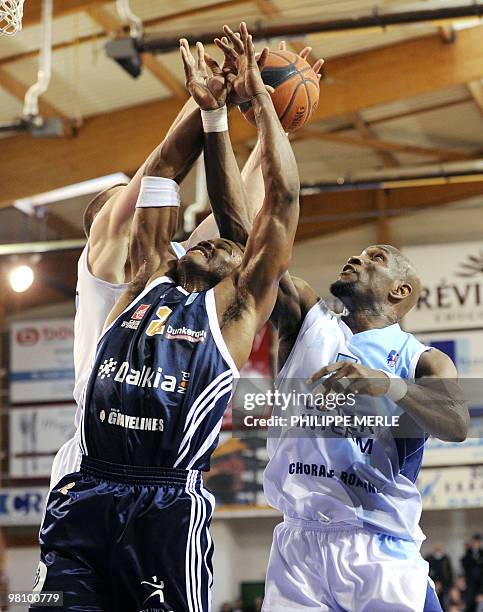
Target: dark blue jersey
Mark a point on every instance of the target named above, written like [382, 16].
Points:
[160, 383]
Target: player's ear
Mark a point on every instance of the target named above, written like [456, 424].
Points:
[400, 292]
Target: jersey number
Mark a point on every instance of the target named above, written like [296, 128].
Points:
[157, 326]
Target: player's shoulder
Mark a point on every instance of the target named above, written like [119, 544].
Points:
[434, 362]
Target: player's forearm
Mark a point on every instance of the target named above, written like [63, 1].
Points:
[252, 177]
[152, 232]
[438, 407]
[225, 187]
[279, 168]
[175, 157]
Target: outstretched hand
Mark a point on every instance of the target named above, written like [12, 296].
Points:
[208, 91]
[317, 67]
[241, 67]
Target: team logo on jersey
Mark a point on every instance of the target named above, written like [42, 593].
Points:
[158, 594]
[156, 326]
[135, 320]
[67, 488]
[392, 358]
[140, 312]
[40, 577]
[185, 333]
[106, 368]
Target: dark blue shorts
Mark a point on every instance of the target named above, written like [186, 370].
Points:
[127, 539]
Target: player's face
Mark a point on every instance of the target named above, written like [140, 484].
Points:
[212, 259]
[369, 276]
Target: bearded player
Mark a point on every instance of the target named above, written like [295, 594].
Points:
[163, 375]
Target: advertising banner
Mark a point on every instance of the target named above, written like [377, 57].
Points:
[41, 360]
[36, 434]
[452, 292]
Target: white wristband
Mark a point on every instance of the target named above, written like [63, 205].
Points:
[215, 120]
[397, 387]
[157, 191]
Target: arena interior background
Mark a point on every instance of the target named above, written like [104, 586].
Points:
[394, 155]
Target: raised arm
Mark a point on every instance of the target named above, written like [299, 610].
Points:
[245, 301]
[109, 233]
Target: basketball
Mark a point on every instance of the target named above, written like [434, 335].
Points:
[296, 88]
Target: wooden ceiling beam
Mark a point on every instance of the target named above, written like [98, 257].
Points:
[355, 208]
[476, 90]
[383, 145]
[87, 5]
[388, 158]
[33, 9]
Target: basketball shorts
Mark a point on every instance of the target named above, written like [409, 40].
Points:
[128, 539]
[314, 568]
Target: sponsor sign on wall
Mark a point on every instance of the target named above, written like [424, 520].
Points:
[36, 434]
[41, 360]
[452, 292]
[22, 506]
[453, 487]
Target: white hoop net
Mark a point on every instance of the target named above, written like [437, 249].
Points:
[11, 13]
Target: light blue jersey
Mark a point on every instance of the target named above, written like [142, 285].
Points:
[365, 480]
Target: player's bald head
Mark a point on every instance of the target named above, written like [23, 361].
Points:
[405, 273]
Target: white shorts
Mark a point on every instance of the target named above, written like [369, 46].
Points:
[318, 569]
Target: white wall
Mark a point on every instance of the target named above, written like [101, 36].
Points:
[21, 566]
[242, 549]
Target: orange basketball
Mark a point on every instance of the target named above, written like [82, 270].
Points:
[296, 88]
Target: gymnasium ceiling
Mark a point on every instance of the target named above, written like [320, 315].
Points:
[397, 97]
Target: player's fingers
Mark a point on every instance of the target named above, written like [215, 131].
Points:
[251, 51]
[324, 371]
[318, 66]
[305, 51]
[234, 39]
[262, 59]
[227, 50]
[270, 89]
[244, 34]
[200, 58]
[188, 69]
[282, 45]
[213, 65]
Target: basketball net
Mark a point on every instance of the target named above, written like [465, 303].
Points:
[11, 12]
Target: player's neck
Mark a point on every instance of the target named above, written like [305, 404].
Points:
[363, 320]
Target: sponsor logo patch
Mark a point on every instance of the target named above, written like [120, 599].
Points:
[184, 333]
[392, 358]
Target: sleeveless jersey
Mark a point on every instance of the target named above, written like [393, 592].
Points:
[342, 480]
[95, 299]
[160, 383]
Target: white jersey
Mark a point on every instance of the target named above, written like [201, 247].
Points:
[346, 479]
[95, 299]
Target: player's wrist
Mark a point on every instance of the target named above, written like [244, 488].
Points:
[397, 389]
[215, 120]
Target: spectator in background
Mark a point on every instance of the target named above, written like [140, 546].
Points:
[460, 583]
[473, 568]
[440, 568]
[226, 607]
[455, 600]
[257, 604]
[238, 605]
